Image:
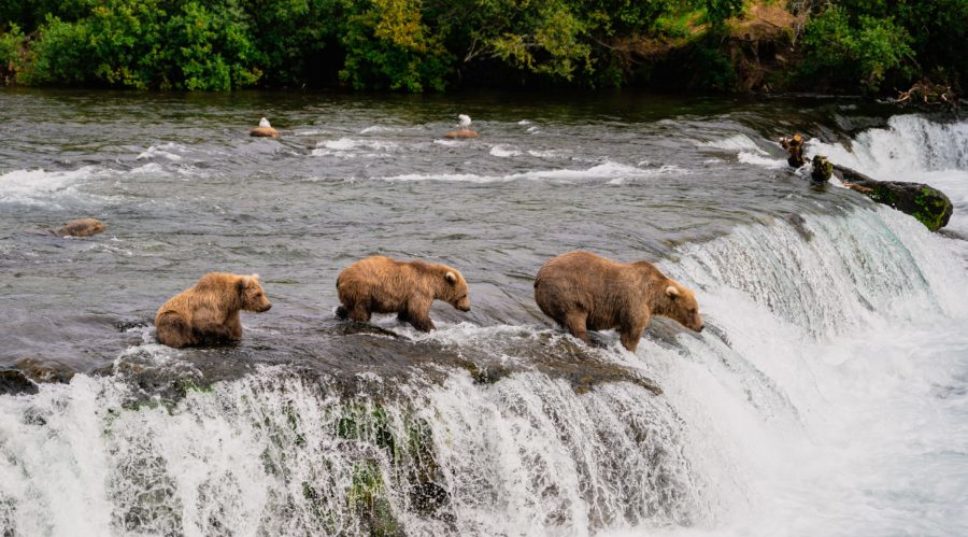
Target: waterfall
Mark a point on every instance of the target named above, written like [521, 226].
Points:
[911, 148]
[831, 337]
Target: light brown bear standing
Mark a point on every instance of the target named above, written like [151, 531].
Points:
[208, 312]
[379, 284]
[583, 291]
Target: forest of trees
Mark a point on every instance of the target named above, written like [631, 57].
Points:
[848, 46]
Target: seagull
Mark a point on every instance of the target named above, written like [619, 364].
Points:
[264, 123]
[465, 121]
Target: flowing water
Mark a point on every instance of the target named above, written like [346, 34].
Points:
[828, 396]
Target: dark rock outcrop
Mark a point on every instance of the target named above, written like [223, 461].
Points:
[926, 203]
[13, 382]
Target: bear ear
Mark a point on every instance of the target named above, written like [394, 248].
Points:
[450, 276]
[672, 292]
[254, 276]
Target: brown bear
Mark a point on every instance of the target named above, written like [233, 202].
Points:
[583, 291]
[379, 284]
[82, 227]
[208, 312]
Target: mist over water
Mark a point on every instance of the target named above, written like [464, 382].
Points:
[828, 395]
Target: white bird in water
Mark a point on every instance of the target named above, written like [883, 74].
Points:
[465, 121]
[264, 123]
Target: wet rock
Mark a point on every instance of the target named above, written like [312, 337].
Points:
[41, 371]
[264, 132]
[13, 382]
[367, 496]
[800, 225]
[929, 205]
[461, 134]
[822, 169]
[794, 147]
[82, 227]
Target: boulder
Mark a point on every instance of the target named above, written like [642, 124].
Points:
[13, 382]
[40, 370]
[926, 203]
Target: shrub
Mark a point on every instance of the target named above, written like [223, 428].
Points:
[863, 52]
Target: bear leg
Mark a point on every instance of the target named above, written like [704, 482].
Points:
[172, 330]
[575, 323]
[630, 339]
[208, 330]
[359, 313]
[422, 323]
[403, 316]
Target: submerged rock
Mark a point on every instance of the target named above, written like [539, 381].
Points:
[82, 227]
[929, 205]
[40, 371]
[13, 382]
[461, 134]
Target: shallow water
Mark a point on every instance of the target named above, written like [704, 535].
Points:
[827, 397]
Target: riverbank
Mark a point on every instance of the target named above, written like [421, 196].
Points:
[702, 46]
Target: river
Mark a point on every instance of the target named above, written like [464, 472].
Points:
[828, 395]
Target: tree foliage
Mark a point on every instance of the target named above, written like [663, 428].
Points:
[428, 45]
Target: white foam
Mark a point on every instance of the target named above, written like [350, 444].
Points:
[502, 151]
[549, 153]
[737, 142]
[35, 186]
[355, 147]
[379, 128]
[150, 168]
[162, 151]
[607, 170]
[757, 159]
[449, 143]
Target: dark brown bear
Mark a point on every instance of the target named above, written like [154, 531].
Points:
[208, 312]
[583, 291]
[379, 284]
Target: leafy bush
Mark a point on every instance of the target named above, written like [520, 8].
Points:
[389, 46]
[848, 52]
[421, 45]
[12, 43]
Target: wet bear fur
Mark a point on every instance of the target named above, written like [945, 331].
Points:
[583, 291]
[208, 312]
[379, 284]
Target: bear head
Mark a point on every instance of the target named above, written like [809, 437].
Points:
[454, 290]
[253, 296]
[679, 303]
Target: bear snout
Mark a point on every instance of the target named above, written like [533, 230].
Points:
[267, 307]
